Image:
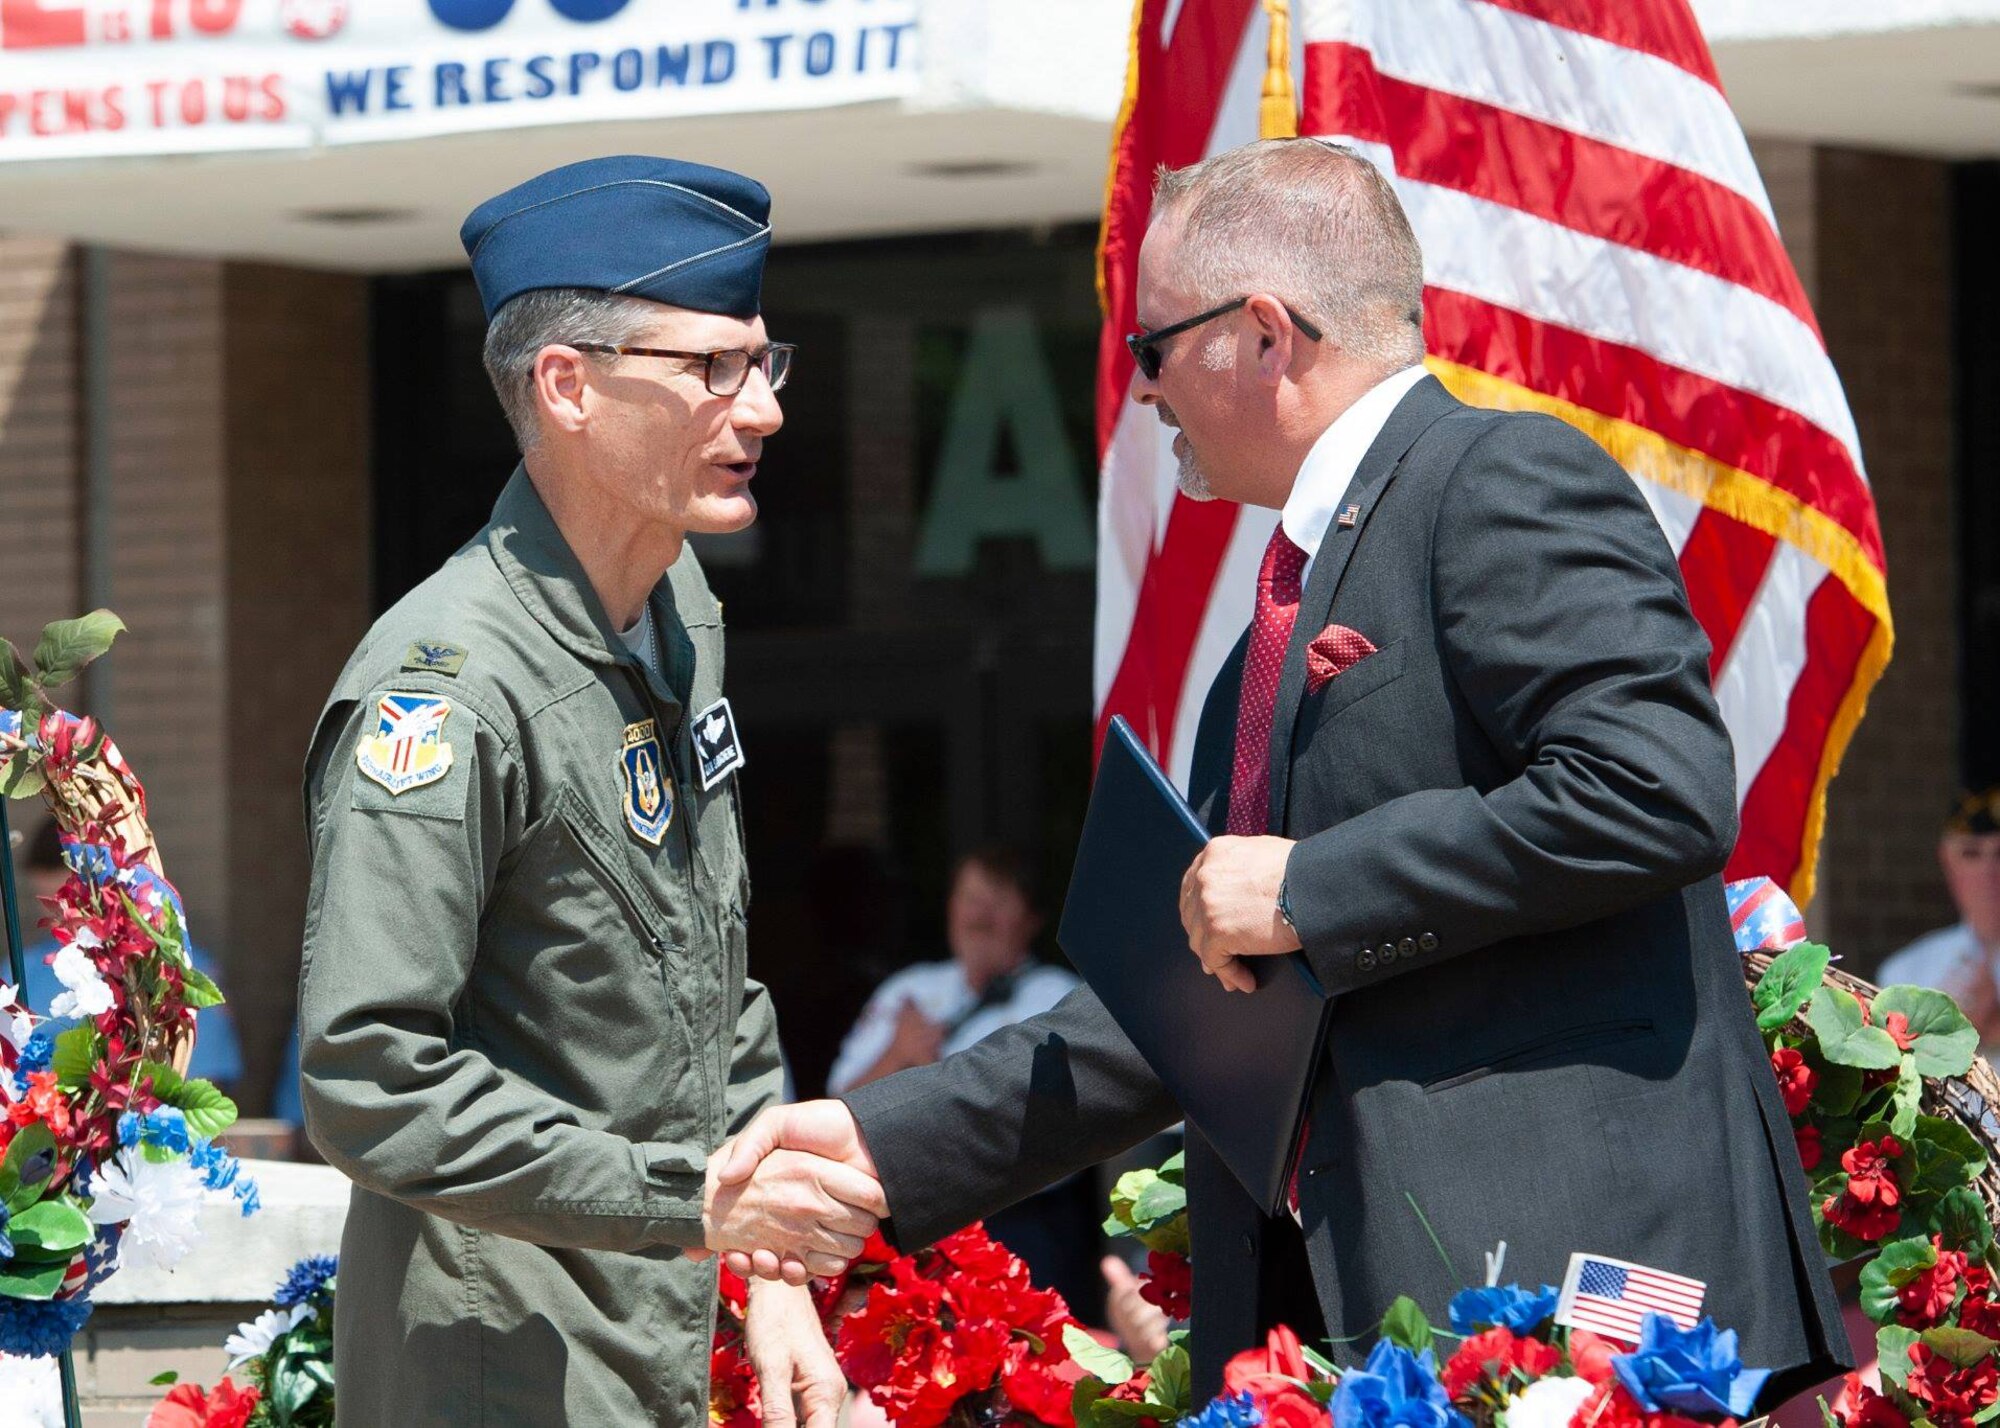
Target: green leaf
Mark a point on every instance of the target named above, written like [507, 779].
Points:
[1109, 1411]
[29, 1279]
[21, 777]
[1907, 1098]
[1094, 1359]
[1789, 983]
[32, 1141]
[1405, 1324]
[67, 646]
[1838, 1090]
[164, 1380]
[1963, 1347]
[166, 1081]
[1124, 1195]
[209, 1113]
[1844, 1038]
[1083, 1401]
[76, 1056]
[18, 690]
[1826, 1418]
[199, 991]
[1948, 1154]
[289, 1390]
[1962, 1222]
[1171, 1386]
[1174, 1167]
[1944, 1041]
[1892, 1350]
[1899, 1262]
[52, 1226]
[1159, 1201]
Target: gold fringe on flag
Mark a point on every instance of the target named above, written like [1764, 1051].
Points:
[1278, 107]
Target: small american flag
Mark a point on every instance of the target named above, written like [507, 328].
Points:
[1613, 1298]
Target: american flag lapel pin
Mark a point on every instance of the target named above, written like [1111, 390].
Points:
[1348, 516]
[1613, 1298]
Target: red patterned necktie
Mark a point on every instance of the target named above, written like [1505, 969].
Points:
[1256, 707]
[1270, 633]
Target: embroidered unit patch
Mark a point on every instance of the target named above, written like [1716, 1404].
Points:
[649, 794]
[407, 748]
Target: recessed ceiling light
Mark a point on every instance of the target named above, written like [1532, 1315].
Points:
[972, 168]
[353, 217]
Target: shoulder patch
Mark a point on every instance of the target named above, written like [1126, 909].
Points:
[434, 657]
[405, 747]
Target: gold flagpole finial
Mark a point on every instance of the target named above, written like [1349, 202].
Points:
[1278, 108]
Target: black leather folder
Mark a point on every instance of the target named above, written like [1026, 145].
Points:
[1240, 1064]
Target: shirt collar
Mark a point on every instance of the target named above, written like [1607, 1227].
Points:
[551, 585]
[1329, 467]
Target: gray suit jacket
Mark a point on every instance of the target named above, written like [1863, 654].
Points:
[1510, 821]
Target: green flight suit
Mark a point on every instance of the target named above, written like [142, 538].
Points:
[524, 1024]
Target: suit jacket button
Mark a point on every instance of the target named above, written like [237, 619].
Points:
[1428, 942]
[1366, 961]
[1250, 1246]
[1407, 947]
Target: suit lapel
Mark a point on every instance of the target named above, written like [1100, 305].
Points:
[1421, 406]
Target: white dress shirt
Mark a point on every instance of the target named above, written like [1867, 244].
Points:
[1329, 467]
[942, 994]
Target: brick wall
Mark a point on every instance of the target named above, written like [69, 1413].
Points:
[165, 695]
[295, 366]
[1881, 245]
[40, 535]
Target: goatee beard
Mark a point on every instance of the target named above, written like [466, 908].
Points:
[1191, 481]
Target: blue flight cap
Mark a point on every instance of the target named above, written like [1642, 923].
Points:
[674, 232]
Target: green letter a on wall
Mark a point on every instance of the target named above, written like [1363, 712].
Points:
[1005, 382]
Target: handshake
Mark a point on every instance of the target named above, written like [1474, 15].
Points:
[793, 1196]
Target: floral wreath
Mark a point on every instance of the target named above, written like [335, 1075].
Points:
[107, 1147]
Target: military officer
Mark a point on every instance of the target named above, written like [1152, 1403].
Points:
[525, 1019]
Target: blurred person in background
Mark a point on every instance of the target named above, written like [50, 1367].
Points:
[217, 1055]
[927, 1011]
[1964, 960]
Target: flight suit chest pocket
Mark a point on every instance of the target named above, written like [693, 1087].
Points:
[600, 853]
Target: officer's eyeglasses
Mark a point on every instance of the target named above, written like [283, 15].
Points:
[1145, 346]
[723, 372]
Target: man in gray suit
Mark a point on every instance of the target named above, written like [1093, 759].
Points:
[1467, 758]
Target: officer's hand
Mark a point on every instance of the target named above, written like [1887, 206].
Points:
[791, 1205]
[817, 1128]
[1229, 906]
[788, 1349]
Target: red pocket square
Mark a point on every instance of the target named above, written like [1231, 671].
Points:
[1334, 650]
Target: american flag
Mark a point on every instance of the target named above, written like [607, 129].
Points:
[1764, 919]
[1613, 1298]
[1598, 245]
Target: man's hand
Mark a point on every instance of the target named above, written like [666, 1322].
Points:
[918, 1040]
[1229, 906]
[822, 1131]
[796, 1193]
[794, 1363]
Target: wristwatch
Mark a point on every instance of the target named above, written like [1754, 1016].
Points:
[1285, 905]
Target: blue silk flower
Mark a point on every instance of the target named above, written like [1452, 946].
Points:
[1694, 1372]
[1505, 1306]
[1396, 1389]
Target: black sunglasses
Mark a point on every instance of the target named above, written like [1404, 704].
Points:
[1145, 346]
[724, 372]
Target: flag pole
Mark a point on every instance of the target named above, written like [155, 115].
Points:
[1278, 105]
[17, 963]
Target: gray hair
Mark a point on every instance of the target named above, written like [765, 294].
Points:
[1310, 222]
[543, 317]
